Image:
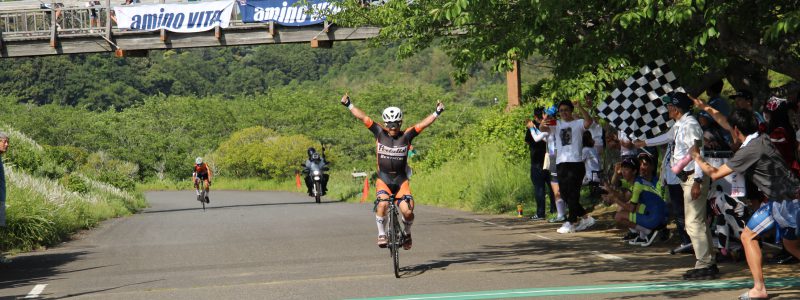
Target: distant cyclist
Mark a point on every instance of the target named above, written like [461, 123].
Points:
[201, 172]
[392, 149]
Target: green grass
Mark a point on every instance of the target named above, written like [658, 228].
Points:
[340, 187]
[487, 183]
[220, 183]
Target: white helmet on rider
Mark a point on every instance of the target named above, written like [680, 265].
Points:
[198, 160]
[392, 114]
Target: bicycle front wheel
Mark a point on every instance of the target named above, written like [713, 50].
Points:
[392, 234]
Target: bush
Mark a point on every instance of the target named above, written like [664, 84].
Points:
[74, 184]
[261, 152]
[121, 174]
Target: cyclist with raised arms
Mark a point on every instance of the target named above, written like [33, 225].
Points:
[392, 146]
[201, 173]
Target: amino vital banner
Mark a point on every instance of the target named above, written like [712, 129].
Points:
[285, 12]
[194, 17]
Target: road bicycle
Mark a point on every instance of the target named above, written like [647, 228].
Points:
[394, 233]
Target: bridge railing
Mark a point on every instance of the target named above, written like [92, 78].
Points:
[35, 19]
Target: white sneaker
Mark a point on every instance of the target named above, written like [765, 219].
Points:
[585, 223]
[566, 228]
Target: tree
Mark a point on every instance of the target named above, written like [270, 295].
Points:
[592, 44]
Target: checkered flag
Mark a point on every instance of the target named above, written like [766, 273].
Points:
[636, 107]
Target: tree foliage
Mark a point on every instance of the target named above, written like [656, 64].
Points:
[591, 43]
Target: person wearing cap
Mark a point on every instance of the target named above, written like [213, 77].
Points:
[537, 144]
[759, 161]
[3, 149]
[743, 99]
[685, 133]
[640, 207]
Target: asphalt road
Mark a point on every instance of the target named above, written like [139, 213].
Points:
[259, 245]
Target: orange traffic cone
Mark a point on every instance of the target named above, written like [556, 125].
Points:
[297, 179]
[365, 192]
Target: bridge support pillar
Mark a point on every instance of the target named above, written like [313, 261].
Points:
[513, 86]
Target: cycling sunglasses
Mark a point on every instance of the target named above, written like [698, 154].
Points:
[393, 125]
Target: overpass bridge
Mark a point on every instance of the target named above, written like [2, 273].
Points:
[28, 28]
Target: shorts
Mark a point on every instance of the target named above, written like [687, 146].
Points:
[401, 190]
[553, 173]
[649, 216]
[202, 176]
[785, 214]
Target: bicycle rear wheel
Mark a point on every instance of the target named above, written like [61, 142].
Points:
[203, 199]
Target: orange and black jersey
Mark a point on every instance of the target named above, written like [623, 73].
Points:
[201, 169]
[392, 152]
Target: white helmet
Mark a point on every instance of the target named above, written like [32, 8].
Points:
[392, 114]
[198, 160]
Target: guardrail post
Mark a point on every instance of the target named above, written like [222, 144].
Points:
[217, 32]
[271, 29]
[163, 31]
[53, 23]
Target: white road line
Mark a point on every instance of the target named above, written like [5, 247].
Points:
[38, 289]
[493, 224]
[541, 236]
[608, 256]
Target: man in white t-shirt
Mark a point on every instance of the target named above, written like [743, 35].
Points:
[570, 167]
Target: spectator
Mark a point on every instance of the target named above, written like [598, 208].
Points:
[715, 98]
[759, 160]
[568, 133]
[744, 100]
[93, 16]
[714, 137]
[640, 206]
[3, 149]
[682, 136]
[537, 144]
[591, 160]
[550, 164]
[780, 130]
[53, 6]
[597, 136]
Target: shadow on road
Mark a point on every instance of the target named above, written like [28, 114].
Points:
[575, 255]
[109, 289]
[34, 269]
[239, 205]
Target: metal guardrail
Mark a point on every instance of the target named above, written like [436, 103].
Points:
[75, 28]
[71, 19]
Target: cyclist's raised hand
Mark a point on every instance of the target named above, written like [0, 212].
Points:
[346, 99]
[439, 107]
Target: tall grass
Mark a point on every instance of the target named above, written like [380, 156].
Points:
[41, 212]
